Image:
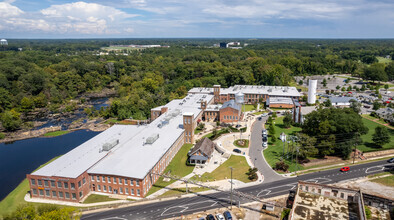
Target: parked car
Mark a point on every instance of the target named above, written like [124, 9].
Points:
[210, 217]
[391, 160]
[345, 169]
[259, 118]
[227, 215]
[265, 144]
[264, 114]
[264, 132]
[265, 138]
[290, 199]
[219, 217]
[237, 151]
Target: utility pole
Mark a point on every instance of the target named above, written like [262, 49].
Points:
[355, 147]
[297, 160]
[231, 196]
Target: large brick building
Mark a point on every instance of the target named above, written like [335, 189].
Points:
[125, 159]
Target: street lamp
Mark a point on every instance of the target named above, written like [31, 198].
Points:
[283, 138]
[231, 197]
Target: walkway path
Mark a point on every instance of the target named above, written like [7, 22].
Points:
[256, 154]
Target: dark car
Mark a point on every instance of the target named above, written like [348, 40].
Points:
[210, 217]
[290, 199]
[259, 118]
[345, 169]
[227, 215]
[237, 151]
[391, 160]
[265, 139]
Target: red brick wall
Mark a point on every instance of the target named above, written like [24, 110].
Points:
[85, 187]
[226, 112]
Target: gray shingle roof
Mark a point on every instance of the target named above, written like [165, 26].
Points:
[206, 147]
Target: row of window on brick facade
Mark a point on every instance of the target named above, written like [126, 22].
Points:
[230, 117]
[55, 194]
[115, 180]
[58, 184]
[127, 191]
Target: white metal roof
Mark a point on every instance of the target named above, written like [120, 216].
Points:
[279, 100]
[81, 158]
[131, 157]
[134, 158]
[251, 89]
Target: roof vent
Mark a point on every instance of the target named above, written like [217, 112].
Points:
[110, 144]
[151, 139]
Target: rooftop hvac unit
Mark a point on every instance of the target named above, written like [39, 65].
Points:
[175, 112]
[168, 117]
[110, 144]
[151, 139]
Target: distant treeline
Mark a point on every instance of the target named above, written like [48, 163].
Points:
[49, 73]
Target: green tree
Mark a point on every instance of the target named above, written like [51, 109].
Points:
[27, 104]
[338, 87]
[381, 136]
[11, 120]
[306, 146]
[386, 87]
[343, 89]
[287, 120]
[363, 88]
[376, 105]
[5, 99]
[356, 106]
[327, 103]
[300, 82]
[375, 72]
[324, 82]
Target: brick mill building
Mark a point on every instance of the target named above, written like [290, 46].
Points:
[125, 160]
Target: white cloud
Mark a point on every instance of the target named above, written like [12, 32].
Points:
[7, 10]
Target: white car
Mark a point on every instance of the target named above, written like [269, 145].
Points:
[264, 132]
[265, 144]
[219, 217]
[264, 114]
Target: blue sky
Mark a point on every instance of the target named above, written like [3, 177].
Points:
[197, 18]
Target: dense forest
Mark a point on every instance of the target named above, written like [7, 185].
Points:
[51, 73]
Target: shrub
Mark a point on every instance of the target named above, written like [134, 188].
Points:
[2, 135]
[281, 166]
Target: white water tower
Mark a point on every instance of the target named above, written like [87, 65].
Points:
[312, 91]
[3, 42]
[239, 98]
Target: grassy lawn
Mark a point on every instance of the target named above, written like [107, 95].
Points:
[245, 145]
[387, 181]
[196, 131]
[16, 197]
[248, 108]
[93, 198]
[274, 151]
[180, 191]
[368, 144]
[56, 133]
[240, 167]
[176, 167]
[218, 133]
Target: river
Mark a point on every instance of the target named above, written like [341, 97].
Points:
[97, 103]
[22, 157]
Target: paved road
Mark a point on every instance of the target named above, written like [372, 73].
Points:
[257, 157]
[184, 206]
